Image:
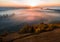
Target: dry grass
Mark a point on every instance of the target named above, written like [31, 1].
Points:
[34, 29]
[37, 28]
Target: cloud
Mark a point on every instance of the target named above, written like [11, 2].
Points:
[46, 1]
[51, 1]
[27, 2]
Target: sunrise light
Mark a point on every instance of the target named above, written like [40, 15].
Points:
[33, 3]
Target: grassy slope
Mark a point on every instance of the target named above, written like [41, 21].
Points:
[34, 36]
[52, 36]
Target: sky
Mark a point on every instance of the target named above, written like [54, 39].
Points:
[17, 3]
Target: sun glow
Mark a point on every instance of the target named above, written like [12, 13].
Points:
[33, 3]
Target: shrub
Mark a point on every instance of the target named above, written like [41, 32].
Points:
[26, 29]
[37, 28]
[50, 27]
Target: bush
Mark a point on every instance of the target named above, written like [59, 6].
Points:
[37, 28]
[50, 27]
[26, 29]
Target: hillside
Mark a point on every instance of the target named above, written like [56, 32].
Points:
[52, 36]
[35, 33]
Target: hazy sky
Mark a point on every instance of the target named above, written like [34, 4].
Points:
[27, 2]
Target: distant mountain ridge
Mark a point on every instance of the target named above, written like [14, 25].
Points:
[11, 8]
